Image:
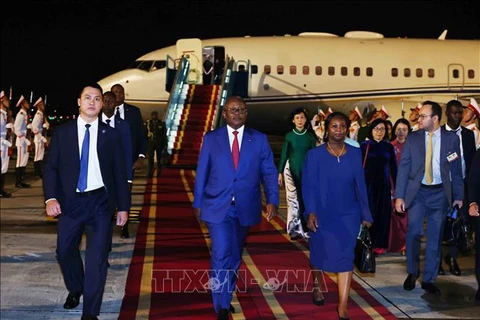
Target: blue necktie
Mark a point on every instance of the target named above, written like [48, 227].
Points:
[117, 114]
[82, 179]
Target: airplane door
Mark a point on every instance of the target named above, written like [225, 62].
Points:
[192, 50]
[218, 63]
[455, 77]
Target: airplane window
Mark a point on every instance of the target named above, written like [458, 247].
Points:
[456, 74]
[369, 71]
[331, 71]
[394, 72]
[419, 73]
[159, 64]
[267, 69]
[471, 74]
[279, 69]
[356, 71]
[431, 73]
[406, 72]
[344, 71]
[318, 70]
[145, 65]
[305, 70]
[135, 64]
[254, 69]
[293, 70]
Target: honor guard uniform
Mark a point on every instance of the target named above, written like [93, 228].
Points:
[38, 124]
[4, 143]
[470, 118]
[354, 116]
[318, 125]
[22, 143]
[414, 115]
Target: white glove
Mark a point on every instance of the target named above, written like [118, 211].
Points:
[5, 142]
[29, 126]
[9, 125]
[46, 125]
[44, 140]
[27, 142]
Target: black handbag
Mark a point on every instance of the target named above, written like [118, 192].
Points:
[455, 230]
[364, 257]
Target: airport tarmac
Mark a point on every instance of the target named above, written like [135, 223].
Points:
[32, 286]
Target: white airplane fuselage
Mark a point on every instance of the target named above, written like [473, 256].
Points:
[327, 71]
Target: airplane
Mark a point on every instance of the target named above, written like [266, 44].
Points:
[315, 70]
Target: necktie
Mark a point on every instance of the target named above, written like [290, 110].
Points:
[117, 113]
[108, 121]
[428, 160]
[235, 150]
[82, 179]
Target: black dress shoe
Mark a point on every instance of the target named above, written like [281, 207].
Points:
[453, 266]
[223, 314]
[231, 309]
[4, 194]
[430, 287]
[87, 317]
[73, 299]
[409, 283]
[124, 234]
[441, 272]
[317, 302]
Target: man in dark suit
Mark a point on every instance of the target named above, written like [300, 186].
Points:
[429, 179]
[473, 179]
[84, 182]
[454, 113]
[133, 116]
[233, 164]
[108, 116]
[157, 140]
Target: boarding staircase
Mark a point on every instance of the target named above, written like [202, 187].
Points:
[193, 109]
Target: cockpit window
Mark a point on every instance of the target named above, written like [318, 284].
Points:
[148, 65]
[159, 64]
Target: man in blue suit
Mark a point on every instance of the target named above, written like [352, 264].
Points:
[133, 116]
[233, 164]
[84, 182]
[429, 179]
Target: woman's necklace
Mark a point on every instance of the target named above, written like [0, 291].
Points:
[334, 153]
[299, 134]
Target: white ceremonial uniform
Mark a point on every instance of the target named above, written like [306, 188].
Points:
[476, 133]
[4, 143]
[353, 132]
[22, 143]
[39, 139]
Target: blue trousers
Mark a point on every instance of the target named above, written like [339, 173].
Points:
[90, 215]
[430, 204]
[227, 239]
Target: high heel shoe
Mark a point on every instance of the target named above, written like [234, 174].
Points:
[341, 318]
[318, 302]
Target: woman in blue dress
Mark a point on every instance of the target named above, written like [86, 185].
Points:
[336, 204]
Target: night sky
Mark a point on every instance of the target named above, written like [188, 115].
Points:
[54, 49]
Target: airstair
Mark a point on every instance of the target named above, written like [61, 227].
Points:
[193, 109]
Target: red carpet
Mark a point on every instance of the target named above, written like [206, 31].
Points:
[168, 276]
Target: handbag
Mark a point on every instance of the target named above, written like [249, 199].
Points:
[455, 230]
[364, 257]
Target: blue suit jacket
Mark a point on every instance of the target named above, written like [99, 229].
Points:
[62, 166]
[411, 169]
[217, 182]
[124, 128]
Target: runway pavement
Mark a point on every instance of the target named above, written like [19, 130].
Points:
[32, 286]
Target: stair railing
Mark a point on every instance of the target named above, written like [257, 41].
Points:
[225, 90]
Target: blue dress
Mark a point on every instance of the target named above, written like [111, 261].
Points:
[336, 193]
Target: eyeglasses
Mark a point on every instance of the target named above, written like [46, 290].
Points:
[423, 116]
[379, 129]
[237, 111]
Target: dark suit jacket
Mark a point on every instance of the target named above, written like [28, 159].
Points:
[62, 166]
[468, 145]
[133, 116]
[473, 180]
[124, 128]
[412, 167]
[217, 181]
